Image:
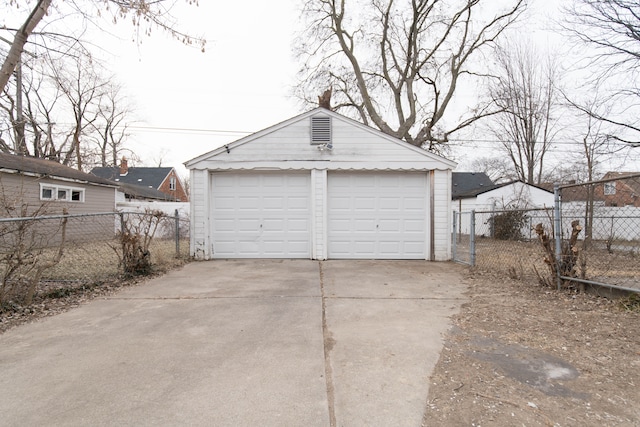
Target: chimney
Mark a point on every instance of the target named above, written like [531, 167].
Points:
[324, 100]
[124, 167]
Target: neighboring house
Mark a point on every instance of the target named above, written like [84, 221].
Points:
[475, 191]
[575, 197]
[138, 193]
[162, 179]
[468, 183]
[320, 186]
[33, 182]
[623, 192]
[478, 194]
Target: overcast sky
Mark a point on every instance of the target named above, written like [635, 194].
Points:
[188, 103]
[240, 84]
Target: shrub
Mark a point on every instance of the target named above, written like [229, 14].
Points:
[508, 225]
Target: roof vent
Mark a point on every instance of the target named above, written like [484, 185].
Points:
[320, 130]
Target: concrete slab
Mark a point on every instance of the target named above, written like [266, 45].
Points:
[386, 321]
[238, 343]
[235, 278]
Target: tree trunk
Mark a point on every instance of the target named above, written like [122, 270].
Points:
[20, 39]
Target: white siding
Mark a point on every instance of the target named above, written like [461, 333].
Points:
[199, 227]
[288, 146]
[442, 215]
[516, 194]
[319, 220]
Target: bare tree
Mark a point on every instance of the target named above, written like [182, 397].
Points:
[611, 28]
[110, 129]
[498, 169]
[82, 88]
[397, 65]
[73, 114]
[525, 92]
[144, 15]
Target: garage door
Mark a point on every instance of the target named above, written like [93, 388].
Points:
[261, 215]
[377, 215]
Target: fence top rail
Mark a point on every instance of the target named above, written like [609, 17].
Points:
[508, 210]
[620, 178]
[82, 215]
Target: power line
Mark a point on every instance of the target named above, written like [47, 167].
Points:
[190, 130]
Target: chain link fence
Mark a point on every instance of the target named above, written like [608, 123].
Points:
[609, 213]
[607, 250]
[76, 250]
[501, 241]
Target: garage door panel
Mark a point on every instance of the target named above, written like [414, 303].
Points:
[259, 215]
[414, 204]
[246, 181]
[298, 225]
[340, 225]
[377, 215]
[244, 225]
[389, 247]
[390, 203]
[300, 203]
[360, 225]
[273, 203]
[414, 226]
[272, 225]
[364, 204]
[245, 203]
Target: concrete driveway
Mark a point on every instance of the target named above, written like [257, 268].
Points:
[239, 343]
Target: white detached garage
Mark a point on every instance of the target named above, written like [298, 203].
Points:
[320, 186]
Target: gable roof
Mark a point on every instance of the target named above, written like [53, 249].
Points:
[481, 189]
[470, 184]
[234, 155]
[48, 168]
[141, 192]
[143, 176]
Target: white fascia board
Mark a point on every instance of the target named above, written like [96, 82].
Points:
[321, 165]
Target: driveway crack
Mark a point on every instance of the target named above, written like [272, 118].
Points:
[329, 342]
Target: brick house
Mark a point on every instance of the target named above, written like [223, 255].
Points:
[624, 191]
[162, 179]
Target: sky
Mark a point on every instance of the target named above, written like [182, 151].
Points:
[187, 103]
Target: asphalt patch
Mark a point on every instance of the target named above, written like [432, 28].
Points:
[542, 371]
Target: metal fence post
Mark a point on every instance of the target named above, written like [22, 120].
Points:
[472, 238]
[557, 228]
[121, 222]
[177, 234]
[454, 239]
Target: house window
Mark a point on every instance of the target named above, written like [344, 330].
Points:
[58, 193]
[609, 188]
[320, 130]
[46, 193]
[172, 183]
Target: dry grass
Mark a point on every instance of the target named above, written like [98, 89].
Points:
[520, 260]
[98, 261]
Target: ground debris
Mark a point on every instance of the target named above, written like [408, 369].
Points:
[522, 354]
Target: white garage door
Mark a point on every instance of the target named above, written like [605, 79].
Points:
[377, 215]
[261, 215]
